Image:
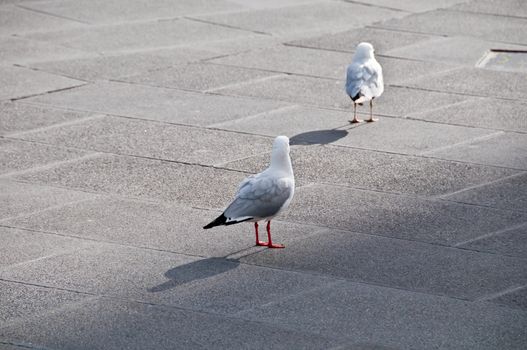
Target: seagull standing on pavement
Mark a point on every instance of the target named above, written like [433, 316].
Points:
[364, 79]
[264, 195]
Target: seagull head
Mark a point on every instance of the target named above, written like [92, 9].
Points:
[281, 144]
[364, 51]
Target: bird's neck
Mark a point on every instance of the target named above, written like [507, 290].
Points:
[281, 162]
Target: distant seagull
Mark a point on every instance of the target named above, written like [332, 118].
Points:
[264, 195]
[364, 79]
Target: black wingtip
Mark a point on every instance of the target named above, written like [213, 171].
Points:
[220, 220]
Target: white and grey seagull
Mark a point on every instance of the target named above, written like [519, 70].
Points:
[364, 79]
[264, 195]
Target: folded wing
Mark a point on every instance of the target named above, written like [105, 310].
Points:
[260, 197]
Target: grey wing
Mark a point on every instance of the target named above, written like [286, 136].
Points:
[260, 197]
[354, 79]
[373, 84]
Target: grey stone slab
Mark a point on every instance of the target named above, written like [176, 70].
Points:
[236, 45]
[102, 268]
[451, 23]
[400, 264]
[328, 64]
[24, 301]
[330, 93]
[6, 345]
[19, 117]
[409, 137]
[117, 66]
[483, 113]
[476, 81]
[19, 198]
[135, 36]
[517, 299]
[505, 149]
[396, 216]
[16, 20]
[368, 169]
[306, 125]
[157, 103]
[155, 140]
[113, 324]
[16, 82]
[290, 59]
[513, 8]
[383, 40]
[453, 49]
[21, 247]
[21, 155]
[298, 20]
[17, 50]
[313, 91]
[321, 124]
[240, 287]
[397, 71]
[508, 193]
[414, 5]
[258, 4]
[198, 76]
[100, 11]
[155, 225]
[400, 101]
[509, 242]
[216, 285]
[145, 178]
[399, 319]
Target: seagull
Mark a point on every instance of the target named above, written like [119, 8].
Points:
[264, 195]
[364, 79]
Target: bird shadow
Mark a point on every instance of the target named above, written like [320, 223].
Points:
[318, 137]
[322, 137]
[193, 271]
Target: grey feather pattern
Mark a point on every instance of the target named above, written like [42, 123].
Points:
[364, 79]
[260, 196]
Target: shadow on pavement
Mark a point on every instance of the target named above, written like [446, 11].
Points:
[195, 271]
[318, 137]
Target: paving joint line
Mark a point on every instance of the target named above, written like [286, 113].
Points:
[52, 207]
[44, 70]
[429, 157]
[450, 9]
[190, 18]
[512, 176]
[50, 165]
[377, 6]
[243, 83]
[491, 234]
[464, 142]
[88, 240]
[219, 125]
[501, 293]
[23, 345]
[81, 120]
[137, 301]
[49, 92]
[42, 12]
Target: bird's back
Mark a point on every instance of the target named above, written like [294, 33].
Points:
[364, 80]
[262, 195]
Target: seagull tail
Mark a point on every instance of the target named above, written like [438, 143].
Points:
[220, 220]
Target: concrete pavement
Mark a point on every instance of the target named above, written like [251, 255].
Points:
[125, 126]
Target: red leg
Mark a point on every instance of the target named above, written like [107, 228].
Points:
[270, 242]
[258, 242]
